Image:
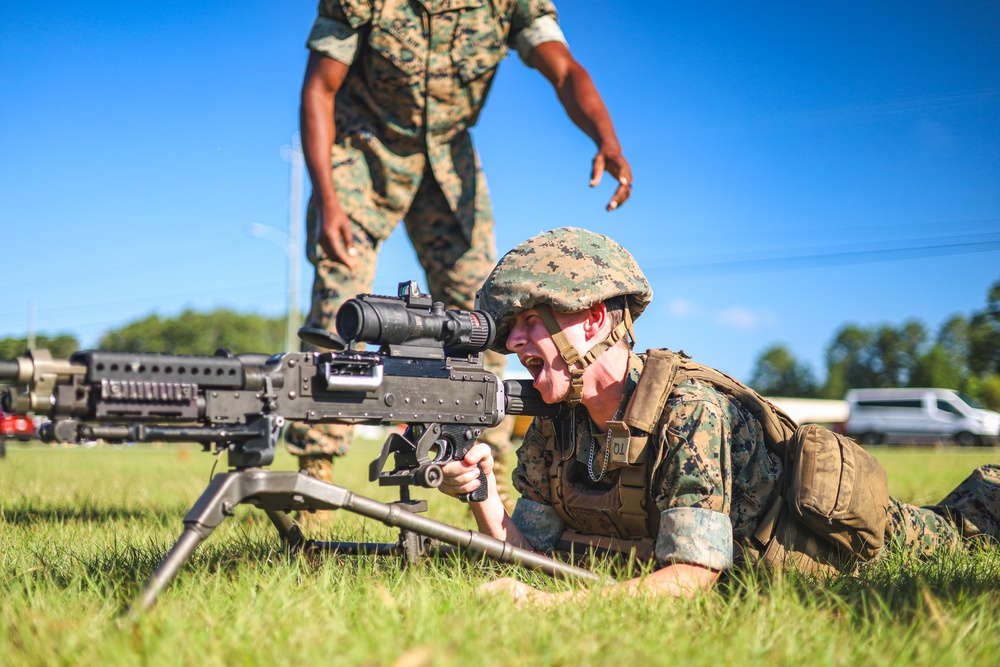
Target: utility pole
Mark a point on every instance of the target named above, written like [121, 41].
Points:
[289, 242]
[294, 155]
[31, 324]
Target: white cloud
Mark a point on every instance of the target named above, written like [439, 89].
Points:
[743, 319]
[739, 318]
[680, 308]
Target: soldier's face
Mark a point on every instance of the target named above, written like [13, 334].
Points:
[531, 341]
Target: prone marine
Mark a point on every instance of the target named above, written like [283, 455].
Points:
[672, 460]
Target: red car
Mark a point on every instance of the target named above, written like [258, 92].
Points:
[16, 426]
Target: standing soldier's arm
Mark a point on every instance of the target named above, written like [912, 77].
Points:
[323, 79]
[585, 107]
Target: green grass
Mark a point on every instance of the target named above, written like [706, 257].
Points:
[81, 529]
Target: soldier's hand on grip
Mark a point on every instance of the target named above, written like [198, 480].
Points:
[465, 476]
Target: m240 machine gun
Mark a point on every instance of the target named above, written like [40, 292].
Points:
[427, 374]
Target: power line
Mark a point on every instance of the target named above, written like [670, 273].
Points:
[825, 256]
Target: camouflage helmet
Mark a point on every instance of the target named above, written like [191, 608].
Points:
[569, 269]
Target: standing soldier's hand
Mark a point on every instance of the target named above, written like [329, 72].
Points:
[334, 235]
[613, 162]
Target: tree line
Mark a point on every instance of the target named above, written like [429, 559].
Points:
[964, 354]
[191, 332]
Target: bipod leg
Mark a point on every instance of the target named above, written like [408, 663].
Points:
[289, 531]
[218, 501]
[411, 544]
[167, 569]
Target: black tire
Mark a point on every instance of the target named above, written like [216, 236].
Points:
[966, 439]
[871, 438]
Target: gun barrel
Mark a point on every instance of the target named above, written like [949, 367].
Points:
[9, 369]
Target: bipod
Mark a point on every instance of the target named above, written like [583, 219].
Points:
[279, 493]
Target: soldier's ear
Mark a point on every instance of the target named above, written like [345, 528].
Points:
[597, 319]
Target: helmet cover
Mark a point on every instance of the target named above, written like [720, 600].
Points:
[570, 269]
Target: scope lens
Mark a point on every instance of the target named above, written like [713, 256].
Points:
[353, 323]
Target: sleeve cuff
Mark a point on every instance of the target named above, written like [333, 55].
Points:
[333, 39]
[540, 524]
[695, 536]
[542, 29]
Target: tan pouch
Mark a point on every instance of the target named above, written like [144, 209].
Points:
[838, 490]
[793, 546]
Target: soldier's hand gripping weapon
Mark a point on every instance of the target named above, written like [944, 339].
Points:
[427, 374]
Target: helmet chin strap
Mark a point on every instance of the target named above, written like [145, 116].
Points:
[576, 363]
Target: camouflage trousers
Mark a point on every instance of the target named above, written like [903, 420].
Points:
[970, 512]
[455, 261]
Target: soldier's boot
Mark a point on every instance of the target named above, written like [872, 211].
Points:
[318, 466]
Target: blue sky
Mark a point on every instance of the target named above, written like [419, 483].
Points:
[797, 166]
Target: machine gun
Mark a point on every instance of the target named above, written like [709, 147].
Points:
[427, 374]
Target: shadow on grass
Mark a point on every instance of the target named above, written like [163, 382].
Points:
[29, 514]
[896, 589]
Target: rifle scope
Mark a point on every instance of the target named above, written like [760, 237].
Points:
[392, 321]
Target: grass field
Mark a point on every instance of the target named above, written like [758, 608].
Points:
[82, 528]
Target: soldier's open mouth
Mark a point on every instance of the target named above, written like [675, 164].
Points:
[533, 365]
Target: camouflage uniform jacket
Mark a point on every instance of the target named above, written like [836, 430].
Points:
[708, 478]
[420, 73]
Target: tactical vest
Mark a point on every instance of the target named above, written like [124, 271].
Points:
[836, 494]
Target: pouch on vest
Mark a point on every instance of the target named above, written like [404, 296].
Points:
[838, 490]
[783, 542]
[627, 446]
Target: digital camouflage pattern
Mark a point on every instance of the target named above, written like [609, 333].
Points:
[970, 512]
[569, 269]
[713, 458]
[417, 84]
[692, 535]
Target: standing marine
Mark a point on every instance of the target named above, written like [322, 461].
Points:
[391, 89]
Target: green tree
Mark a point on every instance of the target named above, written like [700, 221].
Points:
[885, 356]
[60, 345]
[946, 364]
[984, 335]
[778, 373]
[198, 333]
[986, 389]
[936, 368]
[847, 363]
[894, 353]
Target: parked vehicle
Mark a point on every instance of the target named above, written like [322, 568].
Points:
[919, 416]
[16, 426]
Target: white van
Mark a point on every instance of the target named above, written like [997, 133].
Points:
[916, 416]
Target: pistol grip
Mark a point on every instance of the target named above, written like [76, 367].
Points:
[481, 493]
